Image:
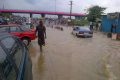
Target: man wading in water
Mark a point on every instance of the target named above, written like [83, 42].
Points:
[41, 34]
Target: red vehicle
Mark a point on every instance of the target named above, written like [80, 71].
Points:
[25, 34]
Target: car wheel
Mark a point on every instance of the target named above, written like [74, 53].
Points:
[26, 41]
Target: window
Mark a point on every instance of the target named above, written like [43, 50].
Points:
[15, 29]
[18, 55]
[16, 52]
[4, 29]
[8, 42]
[84, 29]
[12, 75]
[14, 48]
[76, 28]
[2, 55]
[25, 28]
[7, 68]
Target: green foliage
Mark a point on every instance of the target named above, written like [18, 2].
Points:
[6, 14]
[80, 22]
[95, 12]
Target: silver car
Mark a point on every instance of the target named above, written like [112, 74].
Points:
[82, 32]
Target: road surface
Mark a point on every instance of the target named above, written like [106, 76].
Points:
[66, 57]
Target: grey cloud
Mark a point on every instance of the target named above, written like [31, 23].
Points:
[61, 5]
[30, 1]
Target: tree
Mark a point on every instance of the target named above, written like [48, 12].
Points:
[95, 12]
[6, 14]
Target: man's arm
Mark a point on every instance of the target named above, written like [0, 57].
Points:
[36, 29]
[45, 32]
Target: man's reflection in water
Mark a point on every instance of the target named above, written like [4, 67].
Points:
[41, 64]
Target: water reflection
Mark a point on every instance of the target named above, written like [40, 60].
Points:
[66, 57]
[40, 63]
[32, 50]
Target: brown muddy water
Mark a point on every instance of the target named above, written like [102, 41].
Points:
[66, 57]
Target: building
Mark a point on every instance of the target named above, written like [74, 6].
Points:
[108, 20]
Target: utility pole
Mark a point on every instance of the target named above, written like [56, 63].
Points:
[55, 6]
[55, 10]
[3, 4]
[71, 4]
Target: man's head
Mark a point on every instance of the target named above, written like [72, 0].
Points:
[41, 22]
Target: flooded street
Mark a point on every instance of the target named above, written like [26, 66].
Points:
[66, 57]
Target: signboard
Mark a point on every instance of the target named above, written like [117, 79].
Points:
[113, 15]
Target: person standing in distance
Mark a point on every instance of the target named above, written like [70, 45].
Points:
[41, 30]
[91, 25]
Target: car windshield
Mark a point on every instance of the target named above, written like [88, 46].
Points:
[24, 28]
[84, 29]
[2, 55]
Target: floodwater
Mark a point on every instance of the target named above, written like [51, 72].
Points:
[66, 57]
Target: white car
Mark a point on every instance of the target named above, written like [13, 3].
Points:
[82, 32]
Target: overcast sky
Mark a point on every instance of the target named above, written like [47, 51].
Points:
[79, 6]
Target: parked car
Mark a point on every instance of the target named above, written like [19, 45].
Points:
[82, 32]
[26, 35]
[3, 21]
[15, 62]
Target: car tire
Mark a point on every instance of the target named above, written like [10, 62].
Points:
[26, 41]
